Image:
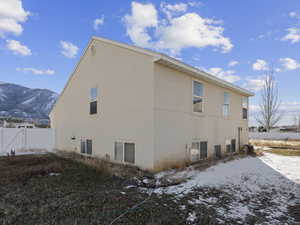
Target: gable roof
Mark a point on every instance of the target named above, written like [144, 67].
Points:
[164, 60]
[180, 66]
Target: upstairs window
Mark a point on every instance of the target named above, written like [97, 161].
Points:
[93, 101]
[245, 107]
[226, 104]
[197, 96]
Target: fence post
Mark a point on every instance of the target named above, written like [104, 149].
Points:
[2, 139]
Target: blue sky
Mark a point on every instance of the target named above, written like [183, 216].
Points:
[41, 41]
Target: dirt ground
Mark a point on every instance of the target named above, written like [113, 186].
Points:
[46, 189]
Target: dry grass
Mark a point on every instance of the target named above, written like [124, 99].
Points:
[105, 166]
[276, 144]
[285, 152]
[171, 164]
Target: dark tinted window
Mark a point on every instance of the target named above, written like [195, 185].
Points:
[228, 148]
[89, 147]
[203, 150]
[129, 152]
[93, 107]
[245, 113]
[233, 145]
[218, 153]
[82, 146]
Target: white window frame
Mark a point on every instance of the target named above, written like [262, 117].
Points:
[247, 107]
[226, 104]
[123, 152]
[91, 97]
[96, 99]
[196, 96]
[198, 141]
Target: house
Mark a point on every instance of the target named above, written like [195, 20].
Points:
[135, 106]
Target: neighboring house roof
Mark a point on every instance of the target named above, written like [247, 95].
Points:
[167, 61]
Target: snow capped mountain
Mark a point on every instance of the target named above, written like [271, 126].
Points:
[22, 102]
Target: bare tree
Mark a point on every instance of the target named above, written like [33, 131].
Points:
[297, 123]
[269, 113]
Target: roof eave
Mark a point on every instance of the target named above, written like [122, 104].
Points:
[177, 65]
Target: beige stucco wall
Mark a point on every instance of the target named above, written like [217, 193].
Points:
[176, 125]
[124, 79]
[142, 102]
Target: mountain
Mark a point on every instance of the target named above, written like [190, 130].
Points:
[22, 102]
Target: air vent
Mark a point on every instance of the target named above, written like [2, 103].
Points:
[93, 50]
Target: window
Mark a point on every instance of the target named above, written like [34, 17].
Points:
[197, 96]
[228, 146]
[199, 150]
[195, 151]
[218, 152]
[93, 100]
[226, 104]
[89, 146]
[119, 151]
[82, 146]
[125, 152]
[93, 107]
[86, 146]
[203, 149]
[129, 152]
[233, 145]
[94, 94]
[245, 107]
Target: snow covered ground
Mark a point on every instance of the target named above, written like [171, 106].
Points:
[258, 189]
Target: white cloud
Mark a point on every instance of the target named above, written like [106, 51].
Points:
[233, 63]
[171, 10]
[289, 63]
[293, 35]
[294, 15]
[68, 49]
[12, 14]
[175, 32]
[143, 17]
[254, 84]
[191, 30]
[260, 65]
[17, 48]
[228, 75]
[98, 22]
[36, 71]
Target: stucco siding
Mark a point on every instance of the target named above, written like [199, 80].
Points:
[176, 125]
[124, 80]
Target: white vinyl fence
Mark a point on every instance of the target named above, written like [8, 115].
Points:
[274, 136]
[22, 139]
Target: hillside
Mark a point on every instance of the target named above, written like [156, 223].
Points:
[22, 102]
